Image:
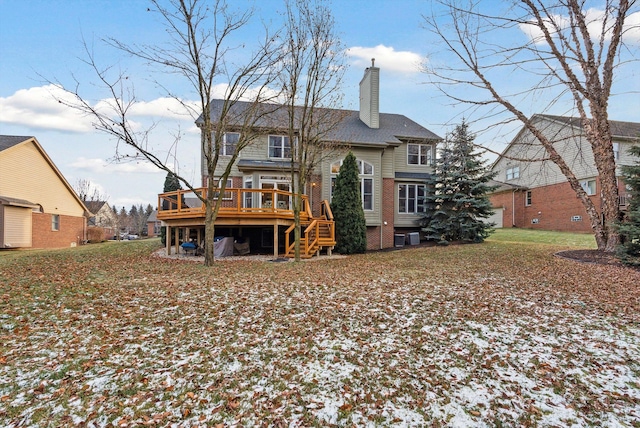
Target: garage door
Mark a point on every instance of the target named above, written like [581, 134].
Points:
[15, 228]
[496, 217]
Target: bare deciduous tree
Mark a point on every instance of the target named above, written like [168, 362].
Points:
[572, 54]
[312, 75]
[202, 51]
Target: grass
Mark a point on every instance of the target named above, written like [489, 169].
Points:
[573, 240]
[496, 334]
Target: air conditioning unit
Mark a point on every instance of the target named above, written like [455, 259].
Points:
[398, 240]
[413, 238]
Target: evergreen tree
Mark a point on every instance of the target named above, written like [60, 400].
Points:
[171, 184]
[457, 199]
[629, 250]
[346, 204]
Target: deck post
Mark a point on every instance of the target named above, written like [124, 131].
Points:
[167, 238]
[275, 240]
[177, 244]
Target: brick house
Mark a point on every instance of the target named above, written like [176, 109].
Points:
[394, 153]
[536, 195]
[38, 207]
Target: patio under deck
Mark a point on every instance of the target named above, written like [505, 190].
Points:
[249, 207]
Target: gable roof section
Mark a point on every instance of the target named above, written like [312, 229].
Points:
[618, 129]
[10, 141]
[394, 128]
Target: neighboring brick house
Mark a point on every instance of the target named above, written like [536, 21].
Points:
[395, 156]
[537, 195]
[153, 224]
[102, 217]
[38, 207]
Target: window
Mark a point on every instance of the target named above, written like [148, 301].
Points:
[411, 198]
[527, 201]
[616, 151]
[279, 147]
[513, 173]
[229, 143]
[589, 186]
[248, 196]
[419, 154]
[227, 195]
[55, 222]
[366, 182]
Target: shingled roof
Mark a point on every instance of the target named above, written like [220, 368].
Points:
[618, 129]
[393, 127]
[7, 141]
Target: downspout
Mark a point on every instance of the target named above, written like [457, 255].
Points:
[382, 222]
[513, 208]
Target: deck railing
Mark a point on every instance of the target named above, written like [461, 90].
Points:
[234, 202]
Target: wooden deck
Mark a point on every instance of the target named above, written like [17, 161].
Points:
[251, 207]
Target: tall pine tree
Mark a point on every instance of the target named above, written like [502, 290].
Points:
[171, 184]
[457, 199]
[346, 204]
[629, 250]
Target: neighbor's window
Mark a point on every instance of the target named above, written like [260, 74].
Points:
[528, 198]
[513, 173]
[279, 147]
[411, 198]
[616, 151]
[366, 182]
[229, 143]
[419, 154]
[589, 186]
[55, 222]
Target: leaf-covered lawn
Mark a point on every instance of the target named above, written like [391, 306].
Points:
[497, 334]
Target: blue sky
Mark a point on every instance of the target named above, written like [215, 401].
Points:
[41, 40]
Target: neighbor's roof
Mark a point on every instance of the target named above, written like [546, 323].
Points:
[7, 141]
[350, 129]
[618, 129]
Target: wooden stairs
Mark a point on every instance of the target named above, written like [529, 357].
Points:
[317, 234]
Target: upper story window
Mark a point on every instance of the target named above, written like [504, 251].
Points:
[589, 186]
[279, 147]
[229, 143]
[616, 151]
[366, 181]
[513, 173]
[419, 154]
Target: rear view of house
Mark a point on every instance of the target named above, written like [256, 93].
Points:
[38, 207]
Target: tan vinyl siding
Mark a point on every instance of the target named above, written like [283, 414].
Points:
[26, 174]
[571, 145]
[15, 227]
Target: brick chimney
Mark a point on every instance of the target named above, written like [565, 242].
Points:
[370, 96]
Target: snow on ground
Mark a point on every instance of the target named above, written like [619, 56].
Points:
[399, 349]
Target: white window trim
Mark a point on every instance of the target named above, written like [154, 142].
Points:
[418, 207]
[282, 147]
[587, 188]
[363, 178]
[512, 173]
[426, 149]
[223, 148]
[528, 198]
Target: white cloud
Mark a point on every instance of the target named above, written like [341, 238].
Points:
[594, 19]
[101, 166]
[387, 58]
[38, 107]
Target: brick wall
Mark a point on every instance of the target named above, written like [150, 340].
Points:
[72, 231]
[376, 240]
[552, 208]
